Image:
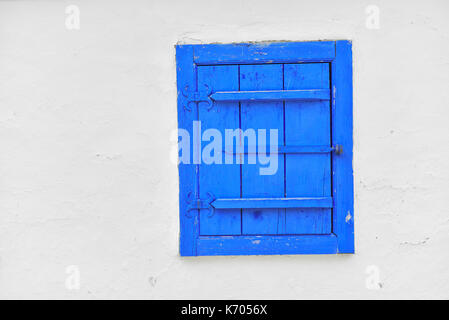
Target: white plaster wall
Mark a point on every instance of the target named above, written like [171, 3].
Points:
[85, 176]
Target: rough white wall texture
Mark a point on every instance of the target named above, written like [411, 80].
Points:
[85, 177]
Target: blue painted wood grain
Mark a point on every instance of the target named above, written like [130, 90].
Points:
[272, 95]
[278, 52]
[285, 149]
[343, 184]
[262, 115]
[223, 180]
[254, 203]
[267, 245]
[308, 123]
[188, 179]
[305, 149]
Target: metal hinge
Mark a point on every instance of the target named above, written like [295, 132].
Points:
[197, 97]
[200, 204]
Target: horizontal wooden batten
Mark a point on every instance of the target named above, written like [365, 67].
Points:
[255, 203]
[284, 149]
[279, 244]
[272, 95]
[305, 149]
[264, 52]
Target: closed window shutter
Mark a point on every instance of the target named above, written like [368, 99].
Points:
[304, 92]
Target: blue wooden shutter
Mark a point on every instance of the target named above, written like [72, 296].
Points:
[303, 90]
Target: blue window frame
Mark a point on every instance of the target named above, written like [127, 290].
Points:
[302, 91]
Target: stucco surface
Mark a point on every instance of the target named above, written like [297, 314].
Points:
[85, 173]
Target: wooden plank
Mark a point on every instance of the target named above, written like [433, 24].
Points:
[267, 245]
[189, 223]
[280, 52]
[262, 115]
[287, 149]
[272, 95]
[223, 180]
[342, 134]
[308, 175]
[305, 149]
[254, 203]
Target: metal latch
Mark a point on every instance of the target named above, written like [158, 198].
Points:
[338, 149]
